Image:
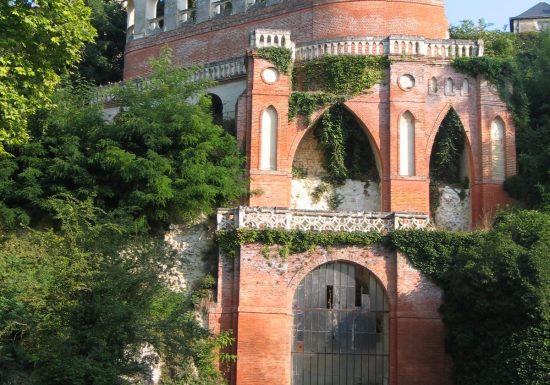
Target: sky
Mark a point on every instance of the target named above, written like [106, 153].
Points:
[493, 11]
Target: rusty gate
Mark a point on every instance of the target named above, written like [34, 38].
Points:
[340, 332]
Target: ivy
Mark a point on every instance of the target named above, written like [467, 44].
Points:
[332, 79]
[306, 103]
[447, 150]
[341, 75]
[279, 56]
[506, 76]
[292, 241]
[496, 288]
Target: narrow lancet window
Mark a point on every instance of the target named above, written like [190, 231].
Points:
[268, 157]
[497, 150]
[406, 144]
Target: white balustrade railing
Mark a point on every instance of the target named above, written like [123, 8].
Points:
[260, 38]
[155, 25]
[187, 16]
[277, 218]
[393, 45]
[227, 69]
[222, 70]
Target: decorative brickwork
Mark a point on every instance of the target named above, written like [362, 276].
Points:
[400, 116]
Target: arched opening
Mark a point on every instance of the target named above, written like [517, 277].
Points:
[159, 14]
[433, 86]
[406, 144]
[449, 86]
[450, 202]
[268, 149]
[335, 167]
[341, 327]
[216, 108]
[130, 15]
[498, 160]
[186, 10]
[465, 89]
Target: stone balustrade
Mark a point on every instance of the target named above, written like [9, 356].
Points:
[273, 218]
[260, 38]
[393, 45]
[223, 70]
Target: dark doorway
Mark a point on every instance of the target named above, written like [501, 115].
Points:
[340, 328]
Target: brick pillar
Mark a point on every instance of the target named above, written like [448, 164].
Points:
[489, 192]
[269, 187]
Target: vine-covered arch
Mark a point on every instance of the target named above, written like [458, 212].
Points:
[315, 119]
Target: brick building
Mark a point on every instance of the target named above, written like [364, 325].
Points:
[344, 315]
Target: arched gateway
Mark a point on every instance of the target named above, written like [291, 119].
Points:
[340, 332]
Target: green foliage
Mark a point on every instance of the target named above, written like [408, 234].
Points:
[347, 150]
[103, 60]
[78, 306]
[160, 160]
[496, 285]
[496, 296]
[345, 75]
[279, 56]
[39, 43]
[447, 150]
[497, 43]
[522, 81]
[294, 241]
[306, 103]
[332, 79]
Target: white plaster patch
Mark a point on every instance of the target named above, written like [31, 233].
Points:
[191, 244]
[352, 195]
[453, 213]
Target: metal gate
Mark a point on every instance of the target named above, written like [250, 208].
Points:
[340, 328]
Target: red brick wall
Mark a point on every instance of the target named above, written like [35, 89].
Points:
[378, 112]
[264, 290]
[308, 20]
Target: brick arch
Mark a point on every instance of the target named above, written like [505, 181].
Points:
[378, 266]
[375, 146]
[435, 129]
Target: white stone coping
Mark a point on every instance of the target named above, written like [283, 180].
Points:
[346, 221]
[392, 45]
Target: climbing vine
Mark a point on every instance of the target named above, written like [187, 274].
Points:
[279, 56]
[347, 153]
[332, 79]
[486, 277]
[447, 150]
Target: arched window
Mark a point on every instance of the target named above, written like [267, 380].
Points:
[217, 109]
[406, 144]
[340, 328]
[465, 90]
[159, 14]
[130, 14]
[268, 149]
[432, 86]
[186, 10]
[497, 150]
[449, 86]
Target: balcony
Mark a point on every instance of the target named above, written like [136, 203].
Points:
[279, 218]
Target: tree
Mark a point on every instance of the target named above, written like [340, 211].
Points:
[161, 160]
[79, 306]
[39, 42]
[103, 59]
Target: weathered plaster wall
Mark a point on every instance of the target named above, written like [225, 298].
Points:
[454, 209]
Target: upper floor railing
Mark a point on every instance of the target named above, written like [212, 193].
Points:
[393, 45]
[288, 219]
